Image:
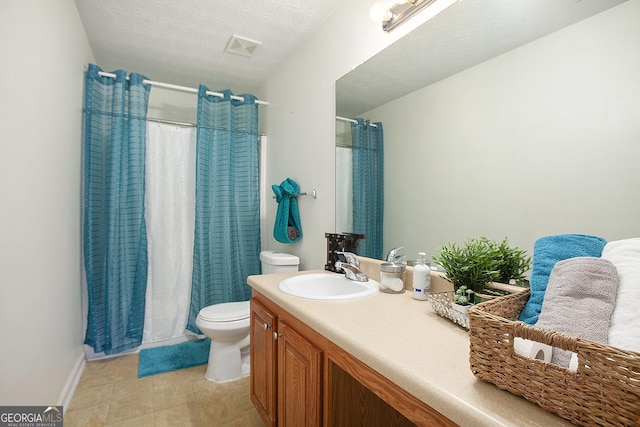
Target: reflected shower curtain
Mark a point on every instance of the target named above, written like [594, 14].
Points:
[227, 223]
[115, 245]
[368, 186]
[344, 190]
[170, 216]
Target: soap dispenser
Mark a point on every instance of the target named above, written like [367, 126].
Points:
[421, 278]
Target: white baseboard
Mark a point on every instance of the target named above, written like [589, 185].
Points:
[72, 382]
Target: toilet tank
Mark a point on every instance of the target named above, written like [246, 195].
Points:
[278, 262]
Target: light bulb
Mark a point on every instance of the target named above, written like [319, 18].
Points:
[378, 11]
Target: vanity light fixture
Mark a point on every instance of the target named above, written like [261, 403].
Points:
[403, 11]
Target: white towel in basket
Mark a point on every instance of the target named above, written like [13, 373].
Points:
[624, 330]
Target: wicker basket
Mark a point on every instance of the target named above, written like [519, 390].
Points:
[605, 389]
[442, 304]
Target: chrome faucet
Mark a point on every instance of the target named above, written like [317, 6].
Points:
[351, 268]
[395, 257]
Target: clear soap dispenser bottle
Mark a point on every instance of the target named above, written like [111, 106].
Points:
[421, 278]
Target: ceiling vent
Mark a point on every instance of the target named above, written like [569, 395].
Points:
[242, 46]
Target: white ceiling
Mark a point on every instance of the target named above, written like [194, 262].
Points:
[466, 34]
[183, 41]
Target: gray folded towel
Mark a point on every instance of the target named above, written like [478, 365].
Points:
[579, 300]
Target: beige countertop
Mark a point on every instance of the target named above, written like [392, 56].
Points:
[407, 342]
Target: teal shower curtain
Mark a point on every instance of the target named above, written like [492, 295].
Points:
[227, 230]
[115, 240]
[368, 186]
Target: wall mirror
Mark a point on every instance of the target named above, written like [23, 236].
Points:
[496, 121]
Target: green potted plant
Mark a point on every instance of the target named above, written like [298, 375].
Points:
[462, 299]
[514, 263]
[463, 296]
[472, 265]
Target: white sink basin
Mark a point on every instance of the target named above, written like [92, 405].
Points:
[327, 287]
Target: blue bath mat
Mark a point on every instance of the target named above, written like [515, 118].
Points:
[172, 357]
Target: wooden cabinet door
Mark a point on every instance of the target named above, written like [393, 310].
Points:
[299, 380]
[263, 362]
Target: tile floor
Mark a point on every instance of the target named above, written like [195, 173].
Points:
[110, 393]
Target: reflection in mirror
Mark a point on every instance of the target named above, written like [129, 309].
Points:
[360, 182]
[344, 184]
[499, 122]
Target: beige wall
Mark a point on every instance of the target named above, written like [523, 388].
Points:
[44, 51]
[541, 140]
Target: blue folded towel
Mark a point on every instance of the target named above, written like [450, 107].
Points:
[547, 251]
[287, 228]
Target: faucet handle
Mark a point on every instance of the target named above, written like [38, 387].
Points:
[351, 258]
[393, 255]
[352, 272]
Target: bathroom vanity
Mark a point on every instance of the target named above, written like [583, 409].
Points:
[385, 360]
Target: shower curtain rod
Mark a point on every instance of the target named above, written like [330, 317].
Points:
[181, 88]
[344, 119]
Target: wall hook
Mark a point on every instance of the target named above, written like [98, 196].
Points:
[314, 194]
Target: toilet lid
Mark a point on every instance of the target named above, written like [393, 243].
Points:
[225, 312]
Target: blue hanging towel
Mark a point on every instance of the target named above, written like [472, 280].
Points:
[287, 228]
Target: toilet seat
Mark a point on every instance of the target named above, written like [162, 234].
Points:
[225, 312]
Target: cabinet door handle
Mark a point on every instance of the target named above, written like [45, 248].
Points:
[266, 326]
[276, 335]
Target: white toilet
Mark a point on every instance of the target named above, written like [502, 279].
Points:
[227, 325]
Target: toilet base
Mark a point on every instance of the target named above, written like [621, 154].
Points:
[227, 362]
